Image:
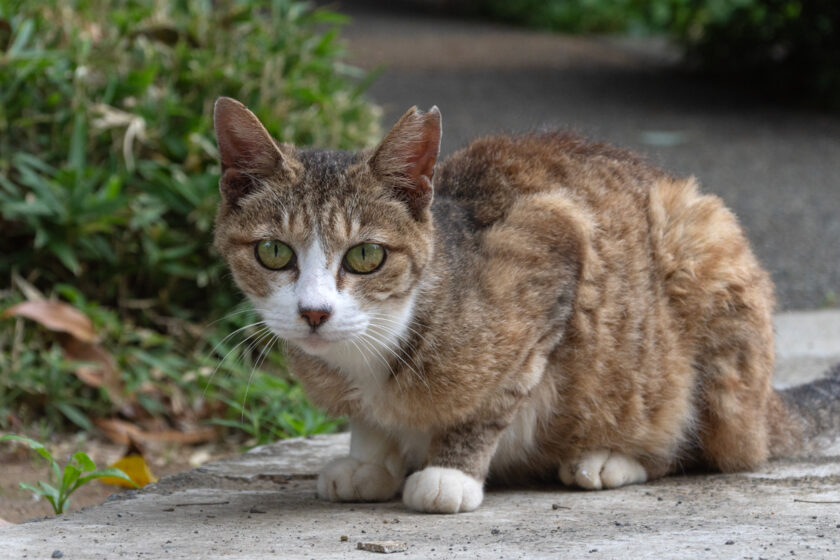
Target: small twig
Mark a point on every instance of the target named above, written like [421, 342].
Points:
[817, 501]
[204, 504]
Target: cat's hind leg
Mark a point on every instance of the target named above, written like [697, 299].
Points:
[373, 472]
[601, 469]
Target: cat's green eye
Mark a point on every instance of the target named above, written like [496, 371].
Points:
[274, 254]
[364, 258]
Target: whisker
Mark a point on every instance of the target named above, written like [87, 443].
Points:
[401, 339]
[232, 334]
[369, 344]
[407, 326]
[398, 357]
[373, 347]
[259, 332]
[232, 314]
[256, 366]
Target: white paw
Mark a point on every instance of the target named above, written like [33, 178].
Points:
[602, 469]
[442, 490]
[350, 480]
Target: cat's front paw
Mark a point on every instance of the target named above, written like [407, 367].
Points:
[442, 490]
[350, 480]
[602, 469]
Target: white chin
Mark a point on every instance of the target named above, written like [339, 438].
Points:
[313, 344]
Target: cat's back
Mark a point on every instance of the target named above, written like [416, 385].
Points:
[488, 176]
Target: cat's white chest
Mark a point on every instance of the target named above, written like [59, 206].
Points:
[366, 366]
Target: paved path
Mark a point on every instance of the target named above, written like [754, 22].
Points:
[262, 505]
[778, 168]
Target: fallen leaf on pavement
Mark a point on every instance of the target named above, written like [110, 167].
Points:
[137, 470]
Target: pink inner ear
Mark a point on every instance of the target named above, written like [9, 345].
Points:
[431, 143]
[243, 141]
[422, 163]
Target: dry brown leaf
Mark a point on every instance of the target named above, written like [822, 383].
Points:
[78, 339]
[123, 432]
[56, 316]
[104, 374]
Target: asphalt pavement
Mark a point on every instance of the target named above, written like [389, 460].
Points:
[777, 167]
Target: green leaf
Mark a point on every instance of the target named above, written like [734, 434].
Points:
[71, 475]
[330, 17]
[39, 448]
[107, 472]
[53, 495]
[84, 461]
[67, 256]
[24, 32]
[35, 445]
[78, 139]
[33, 489]
[74, 415]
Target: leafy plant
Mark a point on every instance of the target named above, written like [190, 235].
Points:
[108, 166]
[788, 48]
[77, 472]
[108, 190]
[270, 408]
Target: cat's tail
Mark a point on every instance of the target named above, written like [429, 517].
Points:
[815, 407]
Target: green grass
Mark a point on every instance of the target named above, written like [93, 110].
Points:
[108, 190]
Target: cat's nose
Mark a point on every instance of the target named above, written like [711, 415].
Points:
[315, 317]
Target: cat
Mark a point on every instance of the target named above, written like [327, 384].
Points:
[534, 306]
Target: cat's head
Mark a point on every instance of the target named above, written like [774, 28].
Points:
[329, 246]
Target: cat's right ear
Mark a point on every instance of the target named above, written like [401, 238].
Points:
[405, 159]
[246, 149]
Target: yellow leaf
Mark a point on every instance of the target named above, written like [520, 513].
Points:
[136, 469]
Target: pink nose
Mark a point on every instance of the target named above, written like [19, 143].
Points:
[315, 317]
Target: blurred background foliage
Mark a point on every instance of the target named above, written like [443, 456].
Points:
[790, 49]
[108, 190]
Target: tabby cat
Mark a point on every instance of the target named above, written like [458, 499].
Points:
[533, 306]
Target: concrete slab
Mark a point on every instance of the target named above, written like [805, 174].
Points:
[807, 344]
[263, 505]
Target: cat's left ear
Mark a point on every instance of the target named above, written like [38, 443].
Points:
[405, 159]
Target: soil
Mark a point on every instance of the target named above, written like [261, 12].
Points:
[19, 464]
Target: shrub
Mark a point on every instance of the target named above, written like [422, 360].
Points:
[108, 171]
[108, 174]
[789, 48]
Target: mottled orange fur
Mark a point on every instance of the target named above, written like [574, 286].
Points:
[566, 297]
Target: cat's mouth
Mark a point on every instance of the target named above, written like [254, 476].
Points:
[315, 341]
